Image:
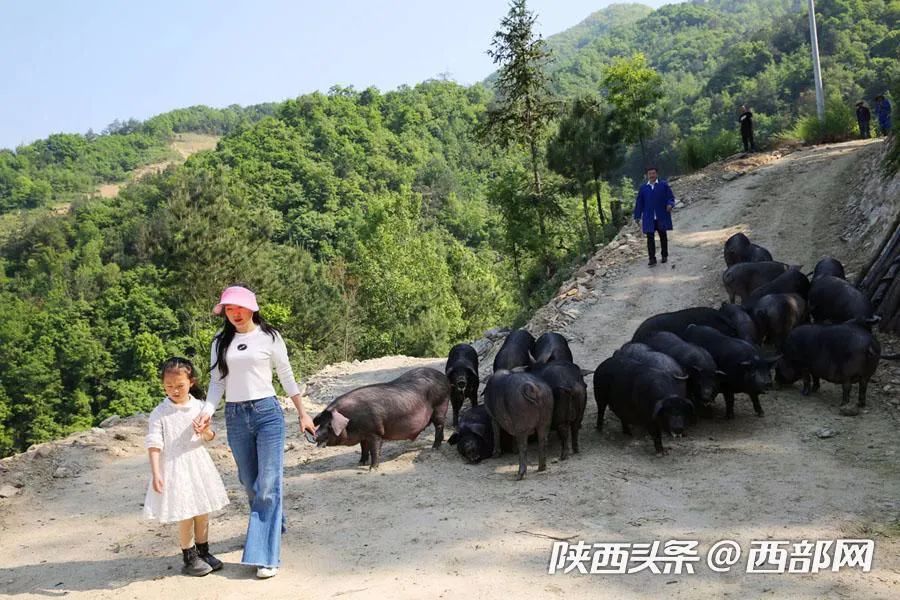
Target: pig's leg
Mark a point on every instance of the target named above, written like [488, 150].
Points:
[816, 383]
[473, 395]
[457, 405]
[364, 445]
[438, 435]
[863, 384]
[807, 384]
[626, 428]
[522, 445]
[375, 451]
[846, 409]
[574, 434]
[731, 296]
[543, 434]
[729, 403]
[438, 417]
[495, 425]
[756, 405]
[601, 410]
[563, 431]
[657, 440]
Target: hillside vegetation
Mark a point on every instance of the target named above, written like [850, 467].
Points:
[374, 222]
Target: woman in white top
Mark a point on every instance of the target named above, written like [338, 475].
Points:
[243, 356]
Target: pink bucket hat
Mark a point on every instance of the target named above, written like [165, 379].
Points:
[239, 296]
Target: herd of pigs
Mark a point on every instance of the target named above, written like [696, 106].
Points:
[669, 374]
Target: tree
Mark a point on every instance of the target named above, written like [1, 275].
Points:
[586, 147]
[634, 88]
[524, 104]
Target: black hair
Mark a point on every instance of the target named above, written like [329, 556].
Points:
[651, 168]
[178, 364]
[223, 340]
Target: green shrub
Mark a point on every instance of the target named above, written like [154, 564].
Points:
[696, 152]
[839, 125]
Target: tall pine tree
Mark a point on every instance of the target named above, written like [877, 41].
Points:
[524, 104]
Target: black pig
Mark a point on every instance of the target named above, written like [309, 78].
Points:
[550, 347]
[566, 381]
[520, 404]
[474, 438]
[745, 370]
[743, 322]
[777, 314]
[462, 372]
[835, 300]
[791, 281]
[844, 354]
[738, 249]
[829, 266]
[640, 395]
[702, 384]
[677, 322]
[742, 278]
[516, 351]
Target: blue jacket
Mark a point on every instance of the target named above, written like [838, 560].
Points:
[883, 110]
[651, 204]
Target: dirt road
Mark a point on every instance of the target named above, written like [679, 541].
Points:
[426, 525]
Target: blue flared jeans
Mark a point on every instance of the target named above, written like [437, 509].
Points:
[256, 438]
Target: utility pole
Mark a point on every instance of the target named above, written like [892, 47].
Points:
[817, 71]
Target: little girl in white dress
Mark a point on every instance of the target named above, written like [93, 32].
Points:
[185, 485]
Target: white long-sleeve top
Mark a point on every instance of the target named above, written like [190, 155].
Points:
[251, 357]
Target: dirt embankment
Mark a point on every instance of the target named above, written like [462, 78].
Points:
[428, 525]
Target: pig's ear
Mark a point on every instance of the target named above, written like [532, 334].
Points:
[772, 360]
[519, 369]
[453, 439]
[721, 374]
[338, 422]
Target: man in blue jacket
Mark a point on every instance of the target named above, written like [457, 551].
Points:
[653, 209]
[883, 111]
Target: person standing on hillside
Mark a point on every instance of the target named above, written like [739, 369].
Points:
[883, 111]
[244, 353]
[653, 210]
[746, 120]
[863, 117]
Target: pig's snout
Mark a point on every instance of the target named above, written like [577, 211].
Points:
[321, 437]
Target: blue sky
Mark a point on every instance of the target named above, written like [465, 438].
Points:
[70, 66]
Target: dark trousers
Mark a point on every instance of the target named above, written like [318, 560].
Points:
[747, 139]
[864, 132]
[663, 242]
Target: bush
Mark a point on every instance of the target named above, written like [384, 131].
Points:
[696, 152]
[839, 125]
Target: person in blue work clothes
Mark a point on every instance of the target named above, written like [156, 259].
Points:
[653, 210]
[883, 112]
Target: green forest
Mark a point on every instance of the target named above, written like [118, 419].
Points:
[374, 223]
